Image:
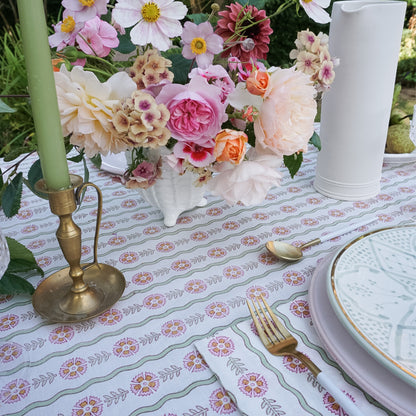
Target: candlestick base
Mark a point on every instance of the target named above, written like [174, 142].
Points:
[80, 291]
[54, 300]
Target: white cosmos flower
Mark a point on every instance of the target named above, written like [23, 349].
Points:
[86, 107]
[315, 10]
[153, 21]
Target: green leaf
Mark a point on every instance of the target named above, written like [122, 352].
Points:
[125, 46]
[33, 176]
[11, 284]
[315, 140]
[293, 162]
[257, 3]
[77, 158]
[198, 18]
[21, 258]
[180, 66]
[4, 108]
[96, 160]
[12, 195]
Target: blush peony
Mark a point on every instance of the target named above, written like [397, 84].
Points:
[285, 121]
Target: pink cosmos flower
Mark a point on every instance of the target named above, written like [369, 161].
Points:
[97, 37]
[198, 156]
[285, 121]
[85, 10]
[315, 10]
[248, 182]
[218, 76]
[200, 43]
[65, 32]
[196, 112]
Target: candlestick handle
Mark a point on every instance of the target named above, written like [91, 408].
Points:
[78, 194]
[80, 291]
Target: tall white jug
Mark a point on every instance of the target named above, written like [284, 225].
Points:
[365, 36]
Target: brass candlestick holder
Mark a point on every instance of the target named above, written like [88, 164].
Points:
[80, 291]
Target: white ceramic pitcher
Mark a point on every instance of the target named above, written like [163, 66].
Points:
[365, 36]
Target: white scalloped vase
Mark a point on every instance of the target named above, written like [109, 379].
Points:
[173, 193]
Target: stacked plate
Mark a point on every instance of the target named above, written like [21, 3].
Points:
[363, 306]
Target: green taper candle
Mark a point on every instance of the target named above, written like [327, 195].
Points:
[42, 90]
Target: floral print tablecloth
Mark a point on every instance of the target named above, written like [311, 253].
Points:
[184, 284]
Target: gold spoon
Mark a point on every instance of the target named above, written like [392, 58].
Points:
[289, 252]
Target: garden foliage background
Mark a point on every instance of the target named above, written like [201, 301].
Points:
[17, 134]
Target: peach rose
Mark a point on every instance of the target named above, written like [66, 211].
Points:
[257, 82]
[230, 146]
[286, 117]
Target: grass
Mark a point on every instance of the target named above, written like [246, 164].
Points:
[16, 128]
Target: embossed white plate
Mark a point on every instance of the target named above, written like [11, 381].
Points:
[368, 373]
[371, 285]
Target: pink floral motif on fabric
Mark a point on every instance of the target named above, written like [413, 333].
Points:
[8, 321]
[231, 225]
[233, 272]
[14, 391]
[9, 352]
[181, 265]
[217, 252]
[110, 317]
[221, 346]
[293, 278]
[154, 301]
[144, 384]
[195, 286]
[217, 310]
[142, 278]
[173, 328]
[250, 241]
[255, 291]
[300, 308]
[294, 364]
[253, 385]
[125, 347]
[129, 257]
[194, 362]
[61, 334]
[129, 203]
[221, 403]
[73, 368]
[88, 406]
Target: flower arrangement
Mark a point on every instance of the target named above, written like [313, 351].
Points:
[196, 84]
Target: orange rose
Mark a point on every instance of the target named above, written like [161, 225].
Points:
[257, 82]
[230, 146]
[56, 63]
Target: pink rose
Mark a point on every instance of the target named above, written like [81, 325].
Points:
[217, 75]
[286, 117]
[196, 111]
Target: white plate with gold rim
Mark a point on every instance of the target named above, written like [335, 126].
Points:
[371, 285]
[368, 373]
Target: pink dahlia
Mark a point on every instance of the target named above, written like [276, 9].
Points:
[242, 39]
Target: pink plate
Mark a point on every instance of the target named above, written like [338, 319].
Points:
[368, 373]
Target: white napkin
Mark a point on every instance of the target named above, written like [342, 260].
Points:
[260, 383]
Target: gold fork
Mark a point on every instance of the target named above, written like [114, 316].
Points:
[279, 341]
